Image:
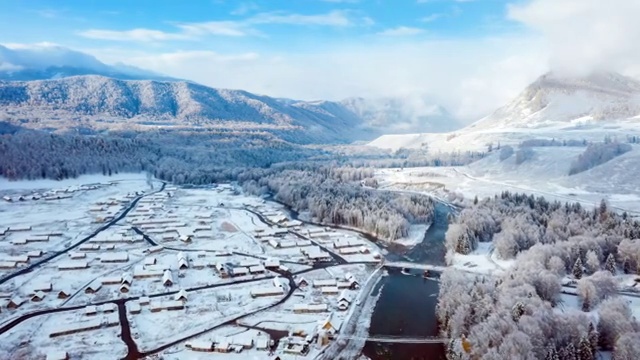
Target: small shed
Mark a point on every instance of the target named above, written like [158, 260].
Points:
[38, 296]
[57, 355]
[90, 310]
[15, 302]
[181, 296]
[64, 293]
[125, 288]
[93, 287]
[167, 278]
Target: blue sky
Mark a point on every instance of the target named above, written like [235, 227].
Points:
[470, 56]
[275, 25]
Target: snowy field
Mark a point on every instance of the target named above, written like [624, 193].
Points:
[546, 174]
[184, 261]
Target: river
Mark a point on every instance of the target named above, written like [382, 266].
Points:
[407, 303]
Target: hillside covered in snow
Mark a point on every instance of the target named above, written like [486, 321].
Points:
[93, 104]
[553, 106]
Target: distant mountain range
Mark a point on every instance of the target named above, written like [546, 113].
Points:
[552, 106]
[40, 62]
[55, 88]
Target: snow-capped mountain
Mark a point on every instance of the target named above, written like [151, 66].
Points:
[403, 115]
[553, 106]
[554, 100]
[45, 61]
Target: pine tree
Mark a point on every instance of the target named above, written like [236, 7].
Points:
[451, 351]
[584, 349]
[610, 264]
[570, 352]
[593, 338]
[586, 304]
[552, 353]
[517, 311]
[577, 269]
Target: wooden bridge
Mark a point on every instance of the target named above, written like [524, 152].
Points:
[410, 265]
[400, 339]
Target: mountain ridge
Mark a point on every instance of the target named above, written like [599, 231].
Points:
[552, 106]
[101, 103]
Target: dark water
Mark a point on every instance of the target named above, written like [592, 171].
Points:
[406, 307]
[431, 250]
[407, 303]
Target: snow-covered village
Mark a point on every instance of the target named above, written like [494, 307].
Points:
[133, 266]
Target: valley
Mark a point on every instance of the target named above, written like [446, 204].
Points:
[146, 216]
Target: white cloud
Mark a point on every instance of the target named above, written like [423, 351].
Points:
[431, 18]
[585, 35]
[338, 18]
[220, 28]
[6, 66]
[245, 8]
[189, 31]
[143, 35]
[437, 69]
[401, 31]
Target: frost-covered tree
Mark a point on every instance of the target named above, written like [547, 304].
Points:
[552, 353]
[577, 269]
[615, 319]
[592, 262]
[593, 337]
[557, 266]
[584, 349]
[610, 264]
[627, 347]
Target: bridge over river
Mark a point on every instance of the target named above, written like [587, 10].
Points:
[401, 339]
[410, 265]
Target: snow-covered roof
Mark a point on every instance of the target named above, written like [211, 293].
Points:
[43, 286]
[72, 265]
[114, 257]
[57, 355]
[199, 344]
[329, 290]
[310, 307]
[127, 277]
[324, 282]
[108, 307]
[257, 269]
[180, 295]
[39, 295]
[167, 277]
[266, 291]
[280, 282]
[272, 263]
[239, 271]
[144, 300]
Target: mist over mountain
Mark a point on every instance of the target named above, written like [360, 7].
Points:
[45, 61]
[403, 115]
[557, 100]
[553, 106]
